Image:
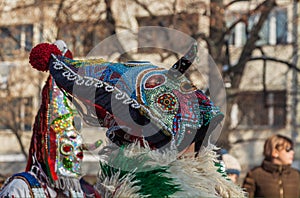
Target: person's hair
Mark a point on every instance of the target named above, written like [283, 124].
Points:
[278, 142]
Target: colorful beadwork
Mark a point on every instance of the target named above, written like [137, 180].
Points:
[35, 187]
[66, 149]
[68, 164]
[167, 102]
[165, 97]
[68, 141]
[154, 81]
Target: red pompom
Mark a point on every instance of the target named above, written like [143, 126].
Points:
[40, 55]
[69, 54]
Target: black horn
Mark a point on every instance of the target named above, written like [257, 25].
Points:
[184, 62]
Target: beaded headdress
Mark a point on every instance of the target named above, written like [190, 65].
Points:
[56, 145]
[134, 100]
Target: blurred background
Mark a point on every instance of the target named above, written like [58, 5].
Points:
[253, 43]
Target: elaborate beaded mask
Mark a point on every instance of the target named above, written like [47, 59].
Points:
[134, 100]
[68, 140]
[56, 145]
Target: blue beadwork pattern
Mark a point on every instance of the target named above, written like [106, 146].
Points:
[173, 103]
[116, 74]
[34, 183]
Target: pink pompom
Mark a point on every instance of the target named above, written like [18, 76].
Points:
[40, 55]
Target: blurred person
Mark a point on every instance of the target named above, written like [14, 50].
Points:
[232, 165]
[274, 177]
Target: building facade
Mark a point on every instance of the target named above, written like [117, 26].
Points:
[265, 103]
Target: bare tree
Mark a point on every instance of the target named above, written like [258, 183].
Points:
[16, 104]
[19, 84]
[217, 45]
[217, 42]
[81, 19]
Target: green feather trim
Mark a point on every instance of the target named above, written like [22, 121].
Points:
[156, 184]
[153, 181]
[221, 169]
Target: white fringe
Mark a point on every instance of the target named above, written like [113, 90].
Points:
[118, 187]
[69, 184]
[197, 177]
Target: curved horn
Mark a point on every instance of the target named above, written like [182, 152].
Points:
[184, 62]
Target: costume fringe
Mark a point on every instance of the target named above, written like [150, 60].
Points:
[188, 176]
[116, 186]
[199, 177]
[69, 184]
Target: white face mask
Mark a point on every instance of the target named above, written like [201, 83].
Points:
[69, 153]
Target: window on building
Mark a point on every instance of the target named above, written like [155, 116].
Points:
[15, 38]
[82, 37]
[184, 22]
[259, 109]
[264, 34]
[281, 26]
[274, 30]
[16, 113]
[4, 73]
[26, 113]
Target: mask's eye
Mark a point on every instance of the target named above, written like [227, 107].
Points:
[71, 134]
[154, 81]
[66, 149]
[186, 87]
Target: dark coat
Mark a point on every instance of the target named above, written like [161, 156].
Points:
[271, 180]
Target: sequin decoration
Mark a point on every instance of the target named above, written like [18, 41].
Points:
[70, 144]
[68, 164]
[58, 104]
[68, 141]
[62, 123]
[66, 149]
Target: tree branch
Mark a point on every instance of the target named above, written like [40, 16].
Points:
[202, 36]
[290, 65]
[244, 17]
[265, 8]
[233, 2]
[145, 7]
[60, 7]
